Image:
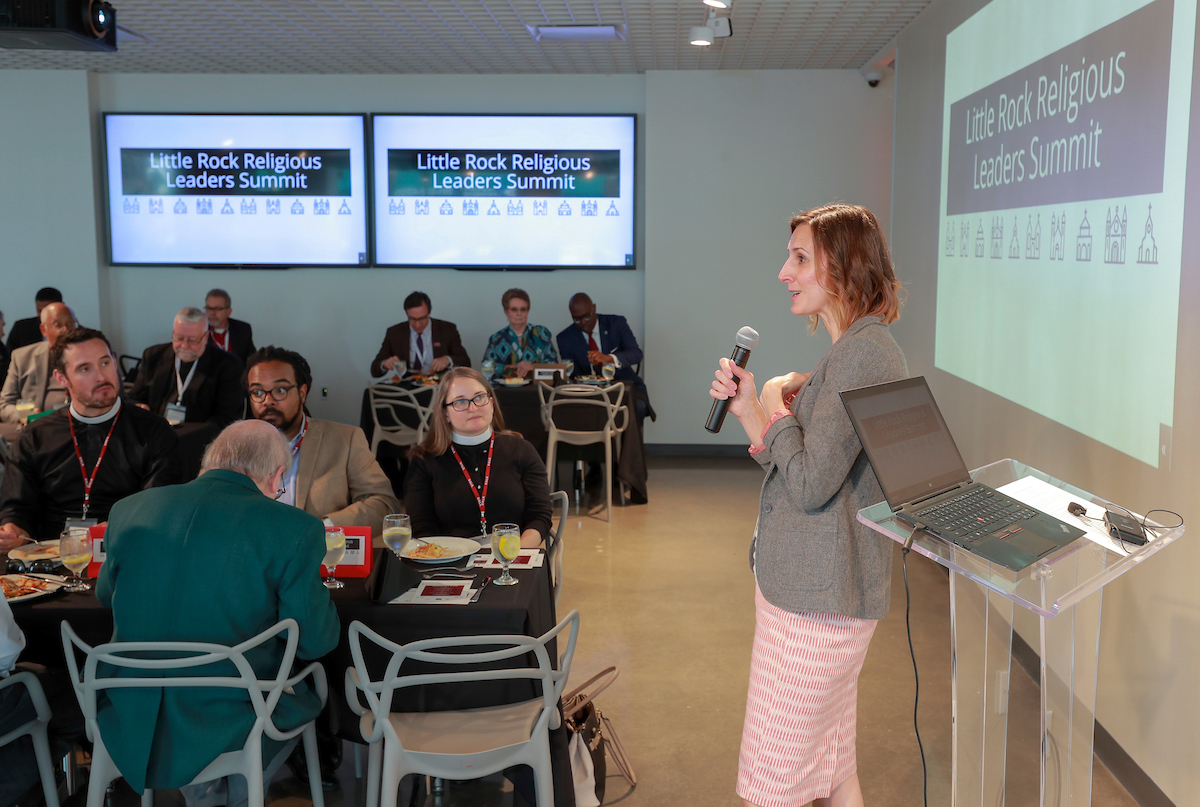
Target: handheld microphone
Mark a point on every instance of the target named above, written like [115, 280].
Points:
[746, 340]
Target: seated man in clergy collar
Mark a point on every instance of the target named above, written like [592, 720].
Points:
[231, 335]
[425, 344]
[78, 462]
[333, 475]
[30, 377]
[184, 382]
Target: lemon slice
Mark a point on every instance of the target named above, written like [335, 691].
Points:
[510, 546]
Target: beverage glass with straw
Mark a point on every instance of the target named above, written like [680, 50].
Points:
[335, 549]
[397, 532]
[75, 551]
[506, 545]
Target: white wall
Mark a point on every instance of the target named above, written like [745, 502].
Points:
[731, 156]
[1150, 639]
[725, 158]
[47, 204]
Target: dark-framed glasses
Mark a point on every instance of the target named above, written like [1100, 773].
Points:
[463, 404]
[279, 393]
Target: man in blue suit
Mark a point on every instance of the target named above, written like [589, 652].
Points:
[215, 560]
[599, 339]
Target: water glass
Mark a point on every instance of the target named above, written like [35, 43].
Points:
[506, 546]
[397, 532]
[608, 371]
[335, 550]
[488, 368]
[75, 551]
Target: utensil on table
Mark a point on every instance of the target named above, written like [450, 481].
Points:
[478, 591]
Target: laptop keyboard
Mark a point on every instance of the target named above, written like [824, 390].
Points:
[974, 514]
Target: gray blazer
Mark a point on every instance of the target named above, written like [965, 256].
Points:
[28, 378]
[810, 553]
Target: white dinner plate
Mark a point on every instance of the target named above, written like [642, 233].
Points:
[56, 580]
[456, 549]
[513, 382]
[42, 550]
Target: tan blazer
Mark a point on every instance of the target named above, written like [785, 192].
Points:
[28, 378]
[340, 479]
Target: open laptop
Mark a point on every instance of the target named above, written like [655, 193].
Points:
[927, 484]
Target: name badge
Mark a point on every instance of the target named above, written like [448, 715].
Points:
[80, 522]
[360, 553]
[96, 533]
[176, 414]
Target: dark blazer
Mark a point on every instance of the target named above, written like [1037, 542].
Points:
[615, 339]
[24, 332]
[210, 561]
[241, 339]
[446, 342]
[214, 396]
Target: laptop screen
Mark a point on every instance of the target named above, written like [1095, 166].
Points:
[906, 439]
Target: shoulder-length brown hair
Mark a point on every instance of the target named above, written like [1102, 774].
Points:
[437, 439]
[854, 263]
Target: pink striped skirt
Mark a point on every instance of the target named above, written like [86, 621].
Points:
[802, 708]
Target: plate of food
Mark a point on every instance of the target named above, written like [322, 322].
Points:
[42, 550]
[439, 549]
[422, 380]
[514, 381]
[20, 587]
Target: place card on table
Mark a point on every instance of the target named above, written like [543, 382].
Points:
[528, 559]
[438, 592]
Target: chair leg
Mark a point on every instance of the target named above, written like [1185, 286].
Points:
[41, 750]
[550, 446]
[102, 774]
[608, 475]
[374, 771]
[357, 761]
[312, 761]
[389, 782]
[147, 798]
[543, 777]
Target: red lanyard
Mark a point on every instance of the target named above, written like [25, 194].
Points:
[303, 429]
[88, 480]
[480, 497]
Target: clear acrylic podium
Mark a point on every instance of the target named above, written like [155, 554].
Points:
[1065, 591]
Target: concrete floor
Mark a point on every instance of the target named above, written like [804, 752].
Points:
[665, 593]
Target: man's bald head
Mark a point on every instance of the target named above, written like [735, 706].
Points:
[254, 448]
[56, 319]
[583, 312]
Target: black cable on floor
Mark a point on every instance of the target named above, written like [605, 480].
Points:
[916, 678]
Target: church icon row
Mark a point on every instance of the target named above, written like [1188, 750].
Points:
[1028, 246]
[513, 207]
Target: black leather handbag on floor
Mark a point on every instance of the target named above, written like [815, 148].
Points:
[597, 735]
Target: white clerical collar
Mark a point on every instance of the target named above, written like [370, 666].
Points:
[107, 416]
[220, 330]
[472, 440]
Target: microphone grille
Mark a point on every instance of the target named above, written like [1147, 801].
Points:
[747, 338]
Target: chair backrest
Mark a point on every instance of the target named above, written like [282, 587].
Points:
[560, 404]
[160, 662]
[392, 400]
[460, 650]
[554, 547]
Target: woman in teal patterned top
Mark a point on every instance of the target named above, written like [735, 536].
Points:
[520, 343]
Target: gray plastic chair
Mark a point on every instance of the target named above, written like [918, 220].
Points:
[263, 697]
[559, 401]
[395, 401]
[36, 729]
[554, 548]
[466, 743]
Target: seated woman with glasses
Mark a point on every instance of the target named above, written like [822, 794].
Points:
[469, 473]
[520, 343]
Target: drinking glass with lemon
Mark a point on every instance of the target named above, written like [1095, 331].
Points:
[75, 551]
[335, 550]
[506, 545]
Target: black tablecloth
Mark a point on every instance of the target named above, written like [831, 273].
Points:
[526, 609]
[522, 410]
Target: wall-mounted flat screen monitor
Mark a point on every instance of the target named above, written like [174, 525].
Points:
[237, 190]
[504, 191]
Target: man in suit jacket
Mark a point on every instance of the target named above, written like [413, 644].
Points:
[614, 343]
[27, 331]
[334, 476]
[214, 560]
[231, 335]
[426, 345]
[211, 380]
[30, 376]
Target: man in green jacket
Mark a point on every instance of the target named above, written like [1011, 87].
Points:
[215, 560]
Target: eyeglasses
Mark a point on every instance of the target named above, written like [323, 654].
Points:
[581, 320]
[279, 393]
[194, 341]
[463, 404]
[216, 308]
[418, 320]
